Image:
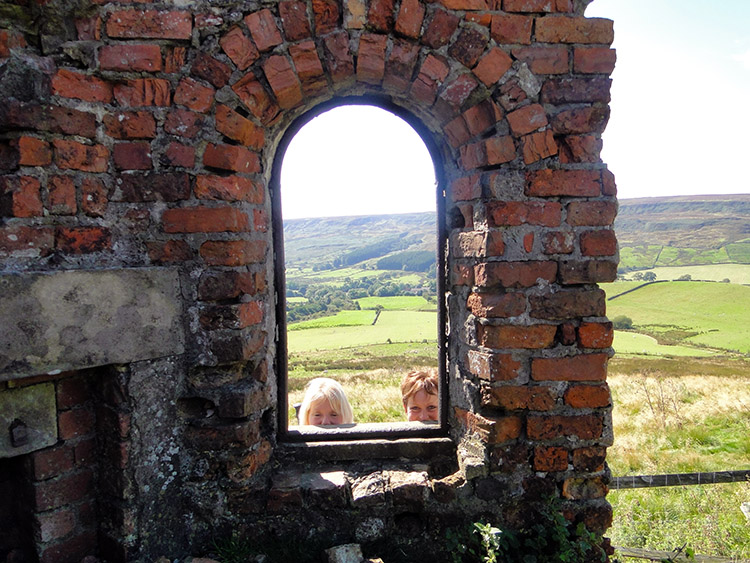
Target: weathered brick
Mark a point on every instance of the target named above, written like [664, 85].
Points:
[21, 240]
[589, 459]
[228, 188]
[150, 24]
[591, 213]
[338, 57]
[62, 195]
[608, 183]
[71, 84]
[169, 252]
[550, 458]
[431, 75]
[519, 397]
[550, 183]
[55, 525]
[294, 20]
[558, 242]
[206, 21]
[217, 286]
[256, 99]
[576, 488]
[153, 187]
[544, 59]
[527, 119]
[482, 117]
[586, 427]
[500, 150]
[381, 15]
[477, 244]
[75, 423]
[205, 220]
[238, 128]
[514, 274]
[143, 92]
[77, 156]
[466, 4]
[132, 156]
[583, 367]
[51, 462]
[563, 29]
[233, 252]
[466, 188]
[33, 152]
[588, 396]
[440, 29]
[231, 157]
[538, 5]
[184, 123]
[409, 19]
[82, 240]
[537, 146]
[579, 148]
[371, 60]
[589, 271]
[454, 95]
[562, 305]
[510, 29]
[457, 132]
[10, 39]
[52, 494]
[468, 46]
[194, 95]
[491, 305]
[599, 243]
[239, 48]
[594, 60]
[130, 57]
[355, 14]
[581, 120]
[517, 337]
[178, 154]
[308, 67]
[211, 70]
[89, 28]
[232, 316]
[576, 90]
[513, 213]
[491, 430]
[263, 29]
[326, 15]
[492, 66]
[494, 367]
[55, 119]
[400, 65]
[130, 125]
[283, 81]
[73, 548]
[595, 335]
[174, 59]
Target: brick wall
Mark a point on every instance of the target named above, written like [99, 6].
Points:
[144, 135]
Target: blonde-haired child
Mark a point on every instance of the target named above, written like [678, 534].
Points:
[325, 404]
[419, 392]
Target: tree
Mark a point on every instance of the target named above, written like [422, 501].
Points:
[621, 322]
[649, 276]
[686, 277]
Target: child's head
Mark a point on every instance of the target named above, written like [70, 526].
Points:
[325, 403]
[419, 391]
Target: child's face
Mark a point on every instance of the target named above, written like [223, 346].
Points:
[422, 406]
[323, 414]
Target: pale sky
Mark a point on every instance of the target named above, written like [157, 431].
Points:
[679, 125]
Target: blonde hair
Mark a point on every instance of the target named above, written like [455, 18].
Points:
[326, 388]
[419, 380]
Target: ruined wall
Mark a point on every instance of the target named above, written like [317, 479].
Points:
[138, 142]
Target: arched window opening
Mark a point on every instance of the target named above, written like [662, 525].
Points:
[357, 210]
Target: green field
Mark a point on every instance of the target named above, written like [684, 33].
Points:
[398, 303]
[632, 343]
[735, 273]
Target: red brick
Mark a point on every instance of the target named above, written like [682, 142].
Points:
[55, 119]
[595, 335]
[217, 286]
[338, 57]
[94, 199]
[461, 274]
[490, 305]
[211, 70]
[238, 128]
[500, 150]
[518, 397]
[588, 396]
[132, 156]
[468, 46]
[26, 241]
[517, 337]
[440, 29]
[528, 242]
[169, 252]
[228, 188]
[130, 125]
[514, 274]
[308, 67]
[581, 120]
[70, 84]
[512, 95]
[567, 304]
[466, 188]
[608, 183]
[586, 427]
[75, 423]
[194, 95]
[55, 525]
[583, 367]
[492, 66]
[62, 195]
[591, 213]
[538, 146]
[73, 549]
[527, 119]
[183, 123]
[51, 462]
[239, 48]
[482, 117]
[77, 156]
[510, 29]
[294, 20]
[205, 220]
[33, 152]
[174, 59]
[326, 14]
[231, 157]
[580, 148]
[10, 39]
[589, 271]
[283, 81]
[82, 240]
[457, 132]
[150, 24]
[589, 459]
[233, 252]
[381, 15]
[432, 73]
[409, 20]
[492, 430]
[263, 29]
[20, 197]
[494, 367]
[558, 243]
[255, 98]
[178, 154]
[72, 392]
[599, 243]
[485, 20]
[143, 92]
[544, 59]
[136, 58]
[371, 59]
[550, 458]
[260, 220]
[233, 316]
[514, 213]
[563, 29]
[538, 5]
[576, 90]
[594, 60]
[466, 4]
[550, 183]
[454, 95]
